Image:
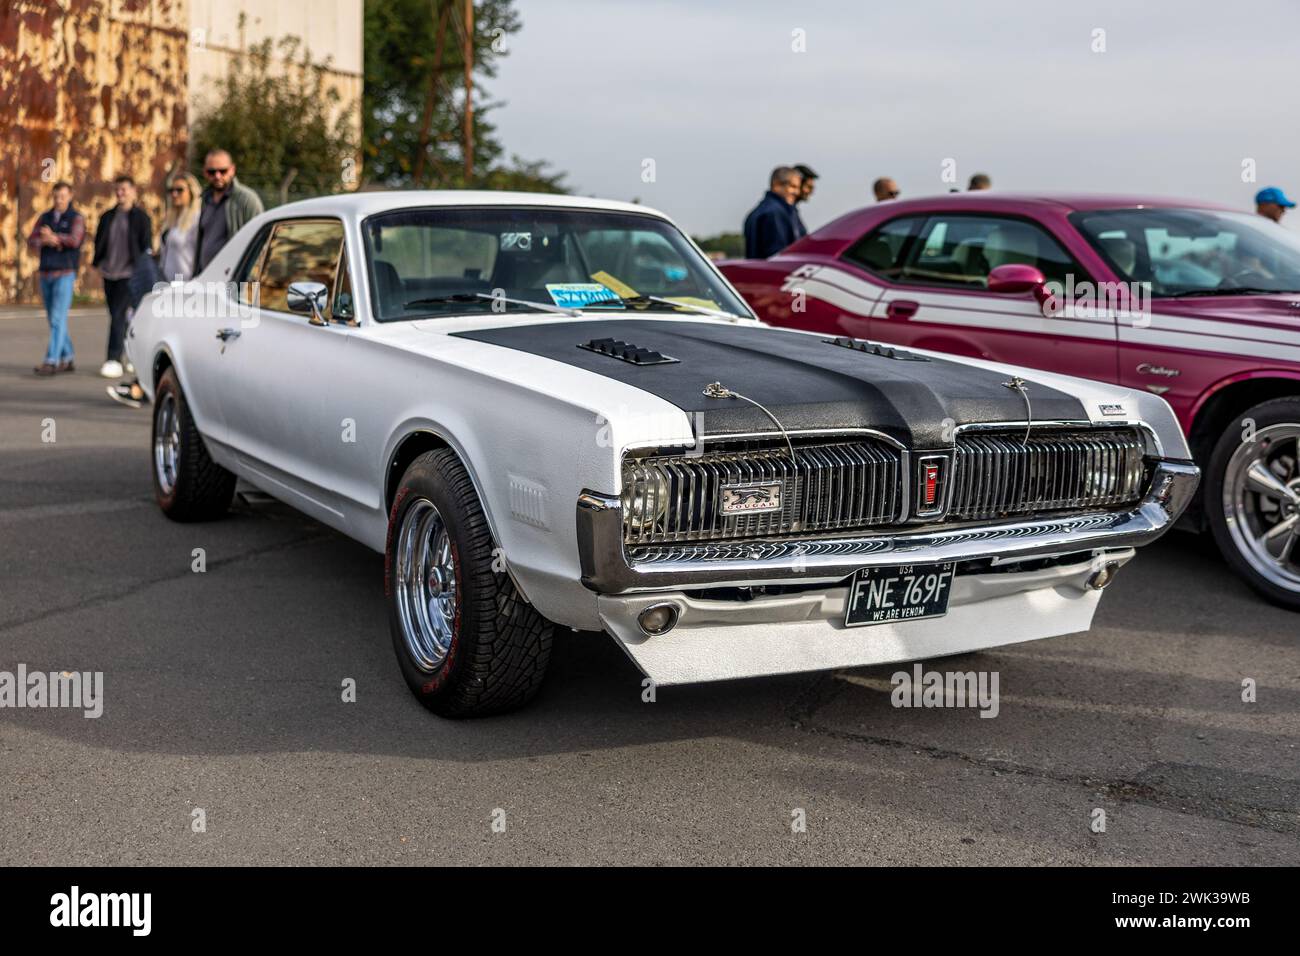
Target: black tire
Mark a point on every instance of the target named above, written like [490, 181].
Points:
[202, 490]
[499, 644]
[1280, 411]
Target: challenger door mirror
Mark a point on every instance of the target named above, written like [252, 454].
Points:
[308, 297]
[1015, 278]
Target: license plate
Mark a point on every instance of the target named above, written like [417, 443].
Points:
[905, 592]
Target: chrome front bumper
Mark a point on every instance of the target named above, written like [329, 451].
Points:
[608, 568]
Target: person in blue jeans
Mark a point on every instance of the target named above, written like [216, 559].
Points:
[57, 237]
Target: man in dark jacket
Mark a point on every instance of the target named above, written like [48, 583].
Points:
[57, 236]
[124, 233]
[773, 223]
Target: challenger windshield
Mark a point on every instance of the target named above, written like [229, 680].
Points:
[461, 260]
[1195, 251]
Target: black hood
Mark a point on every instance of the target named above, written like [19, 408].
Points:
[806, 381]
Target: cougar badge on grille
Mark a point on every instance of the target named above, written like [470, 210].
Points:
[750, 499]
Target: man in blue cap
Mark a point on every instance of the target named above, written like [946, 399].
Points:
[1271, 203]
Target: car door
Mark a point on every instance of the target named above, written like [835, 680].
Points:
[937, 296]
[285, 395]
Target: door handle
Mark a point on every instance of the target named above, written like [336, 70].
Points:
[225, 335]
[902, 309]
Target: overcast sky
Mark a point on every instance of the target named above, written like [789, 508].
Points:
[713, 92]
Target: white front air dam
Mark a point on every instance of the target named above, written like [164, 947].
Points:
[721, 640]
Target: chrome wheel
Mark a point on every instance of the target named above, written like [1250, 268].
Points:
[1261, 503]
[426, 585]
[167, 442]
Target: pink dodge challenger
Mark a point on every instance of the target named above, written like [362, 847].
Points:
[1197, 303]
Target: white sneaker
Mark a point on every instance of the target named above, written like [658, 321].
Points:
[111, 369]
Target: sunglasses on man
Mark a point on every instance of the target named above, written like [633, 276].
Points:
[213, 170]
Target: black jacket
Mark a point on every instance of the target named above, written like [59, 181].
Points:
[139, 232]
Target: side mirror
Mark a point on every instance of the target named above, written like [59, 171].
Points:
[1016, 278]
[308, 297]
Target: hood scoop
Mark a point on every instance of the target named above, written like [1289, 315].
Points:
[625, 352]
[875, 348]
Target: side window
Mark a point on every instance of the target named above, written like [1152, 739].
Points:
[246, 274]
[962, 250]
[341, 305]
[884, 249]
[303, 250]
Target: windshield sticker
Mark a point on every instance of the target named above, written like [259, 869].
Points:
[575, 295]
[516, 241]
[620, 288]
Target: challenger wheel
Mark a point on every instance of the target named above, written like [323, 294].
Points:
[1253, 498]
[187, 483]
[466, 641]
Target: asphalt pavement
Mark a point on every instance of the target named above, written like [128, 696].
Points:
[224, 693]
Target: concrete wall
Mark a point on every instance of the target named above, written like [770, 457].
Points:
[332, 28]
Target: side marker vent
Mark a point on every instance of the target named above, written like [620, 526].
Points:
[627, 353]
[875, 348]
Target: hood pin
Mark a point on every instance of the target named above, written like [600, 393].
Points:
[1018, 384]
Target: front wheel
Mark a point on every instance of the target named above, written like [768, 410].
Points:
[1253, 498]
[188, 485]
[467, 642]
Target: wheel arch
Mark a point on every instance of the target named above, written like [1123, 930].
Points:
[162, 361]
[421, 439]
[1222, 401]
[410, 447]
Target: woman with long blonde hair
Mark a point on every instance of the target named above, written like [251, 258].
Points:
[178, 248]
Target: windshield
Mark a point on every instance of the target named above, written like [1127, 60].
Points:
[456, 260]
[1195, 251]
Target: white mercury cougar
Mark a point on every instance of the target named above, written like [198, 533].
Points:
[554, 411]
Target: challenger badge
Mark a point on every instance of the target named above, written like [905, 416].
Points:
[750, 499]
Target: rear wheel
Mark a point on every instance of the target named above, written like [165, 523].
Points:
[1253, 498]
[187, 483]
[466, 641]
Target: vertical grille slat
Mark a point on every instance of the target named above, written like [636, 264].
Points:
[1000, 475]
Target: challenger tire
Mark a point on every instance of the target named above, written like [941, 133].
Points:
[466, 641]
[187, 483]
[1252, 498]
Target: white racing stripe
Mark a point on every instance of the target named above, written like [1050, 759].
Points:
[853, 294]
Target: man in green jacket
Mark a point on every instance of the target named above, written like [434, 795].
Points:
[227, 205]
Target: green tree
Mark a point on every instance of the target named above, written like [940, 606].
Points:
[413, 127]
[730, 245]
[278, 117]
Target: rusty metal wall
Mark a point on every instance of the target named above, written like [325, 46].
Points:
[89, 89]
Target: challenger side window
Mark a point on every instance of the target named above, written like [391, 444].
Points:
[961, 250]
[883, 250]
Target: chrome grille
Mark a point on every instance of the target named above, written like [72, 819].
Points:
[1000, 474]
[830, 485]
